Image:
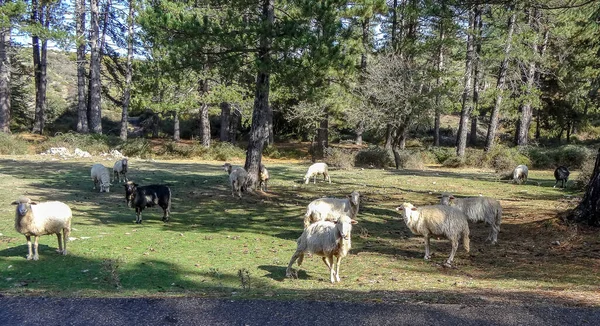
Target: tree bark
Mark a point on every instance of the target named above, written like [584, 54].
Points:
[500, 84]
[529, 76]
[95, 111]
[225, 121]
[467, 105]
[39, 13]
[477, 76]
[360, 126]
[129, 74]
[322, 138]
[82, 117]
[4, 78]
[259, 132]
[438, 84]
[588, 210]
[389, 136]
[204, 125]
[176, 129]
[155, 125]
[235, 121]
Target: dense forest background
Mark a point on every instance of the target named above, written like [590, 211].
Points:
[449, 76]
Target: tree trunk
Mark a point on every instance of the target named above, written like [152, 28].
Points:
[389, 136]
[39, 56]
[493, 127]
[129, 74]
[95, 111]
[537, 81]
[467, 105]
[438, 84]
[225, 121]
[235, 121]
[82, 117]
[360, 126]
[477, 77]
[176, 129]
[473, 134]
[529, 76]
[271, 138]
[4, 78]
[259, 132]
[360, 129]
[588, 210]
[155, 125]
[204, 125]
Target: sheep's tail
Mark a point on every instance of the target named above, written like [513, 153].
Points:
[466, 241]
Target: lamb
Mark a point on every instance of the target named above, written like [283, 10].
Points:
[326, 239]
[317, 168]
[37, 219]
[100, 176]
[331, 209]
[520, 174]
[263, 177]
[478, 209]
[140, 197]
[437, 220]
[120, 170]
[561, 174]
[237, 179]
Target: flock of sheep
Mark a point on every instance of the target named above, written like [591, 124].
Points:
[327, 222]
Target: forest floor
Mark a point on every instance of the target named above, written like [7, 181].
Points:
[219, 246]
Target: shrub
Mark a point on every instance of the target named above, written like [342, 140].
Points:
[340, 158]
[224, 152]
[442, 153]
[272, 152]
[410, 160]
[139, 147]
[454, 162]
[92, 143]
[572, 156]
[374, 156]
[13, 145]
[503, 158]
[175, 149]
[587, 168]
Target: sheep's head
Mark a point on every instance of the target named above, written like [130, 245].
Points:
[23, 205]
[105, 187]
[355, 198]
[130, 190]
[124, 164]
[344, 226]
[227, 167]
[446, 199]
[408, 208]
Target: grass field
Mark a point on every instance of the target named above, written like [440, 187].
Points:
[218, 246]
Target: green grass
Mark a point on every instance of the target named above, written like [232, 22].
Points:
[212, 237]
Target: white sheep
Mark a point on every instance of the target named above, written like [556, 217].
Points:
[331, 209]
[317, 168]
[100, 176]
[120, 170]
[33, 219]
[237, 178]
[263, 177]
[520, 174]
[437, 220]
[326, 239]
[478, 209]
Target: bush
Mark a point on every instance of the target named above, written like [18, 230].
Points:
[410, 160]
[271, 152]
[572, 156]
[13, 145]
[224, 152]
[340, 158]
[587, 168]
[504, 159]
[454, 162]
[374, 157]
[175, 149]
[442, 153]
[139, 147]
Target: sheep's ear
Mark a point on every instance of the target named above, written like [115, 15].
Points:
[15, 203]
[413, 209]
[353, 222]
[451, 197]
[33, 203]
[399, 208]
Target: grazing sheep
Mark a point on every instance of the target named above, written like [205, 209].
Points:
[120, 170]
[478, 209]
[520, 174]
[100, 176]
[331, 209]
[325, 239]
[140, 197]
[263, 177]
[437, 220]
[317, 168]
[561, 174]
[33, 219]
[237, 179]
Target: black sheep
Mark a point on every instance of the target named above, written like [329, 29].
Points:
[140, 197]
[561, 174]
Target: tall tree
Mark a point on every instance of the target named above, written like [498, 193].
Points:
[467, 105]
[94, 93]
[500, 84]
[40, 16]
[129, 74]
[5, 75]
[82, 117]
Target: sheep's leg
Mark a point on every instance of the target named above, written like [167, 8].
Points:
[65, 233]
[60, 246]
[427, 255]
[30, 254]
[35, 248]
[328, 260]
[452, 253]
[314, 179]
[337, 268]
[165, 214]
[289, 272]
[138, 216]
